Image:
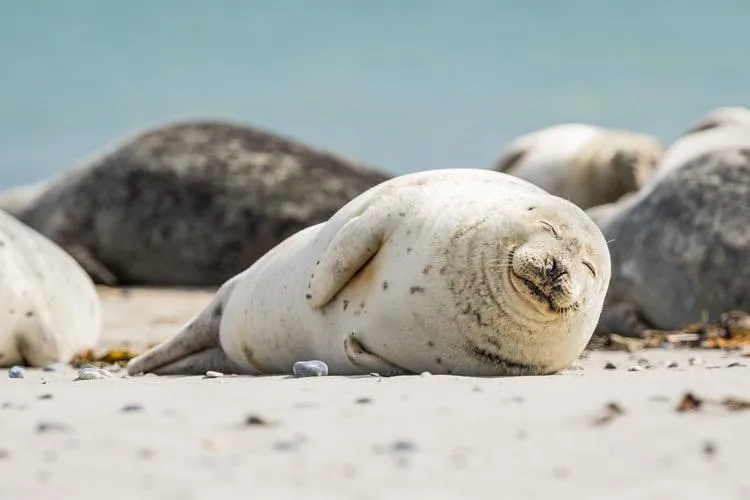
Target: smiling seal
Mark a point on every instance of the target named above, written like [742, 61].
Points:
[457, 271]
[49, 308]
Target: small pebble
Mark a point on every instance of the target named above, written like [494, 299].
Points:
[254, 420]
[213, 374]
[132, 407]
[673, 364]
[92, 373]
[635, 368]
[314, 368]
[290, 445]
[16, 372]
[403, 446]
[695, 360]
[51, 426]
[45, 396]
[736, 364]
[54, 367]
[610, 366]
[363, 401]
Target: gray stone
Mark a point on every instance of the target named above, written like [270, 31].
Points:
[313, 368]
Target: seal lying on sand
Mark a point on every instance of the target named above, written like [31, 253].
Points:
[461, 271]
[49, 308]
[585, 164]
[189, 203]
[682, 249]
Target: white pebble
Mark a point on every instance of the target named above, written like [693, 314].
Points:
[213, 374]
[16, 372]
[93, 373]
[635, 368]
[425, 374]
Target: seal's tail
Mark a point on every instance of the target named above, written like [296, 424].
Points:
[195, 348]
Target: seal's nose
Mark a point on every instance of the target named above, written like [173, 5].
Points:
[555, 269]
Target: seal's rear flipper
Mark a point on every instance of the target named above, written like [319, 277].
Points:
[189, 345]
[214, 359]
[350, 249]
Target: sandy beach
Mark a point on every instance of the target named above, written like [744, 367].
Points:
[590, 432]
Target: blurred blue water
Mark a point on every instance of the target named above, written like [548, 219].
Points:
[403, 85]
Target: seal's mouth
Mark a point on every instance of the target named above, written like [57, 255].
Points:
[536, 292]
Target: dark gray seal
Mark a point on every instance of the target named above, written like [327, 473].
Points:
[681, 250]
[188, 204]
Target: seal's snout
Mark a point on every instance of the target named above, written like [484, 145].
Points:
[554, 269]
[544, 279]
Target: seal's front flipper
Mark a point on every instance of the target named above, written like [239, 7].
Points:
[95, 269]
[199, 335]
[369, 362]
[350, 249]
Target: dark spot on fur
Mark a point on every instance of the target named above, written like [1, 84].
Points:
[308, 296]
[361, 304]
[402, 214]
[443, 269]
[426, 269]
[346, 304]
[317, 263]
[311, 277]
[385, 285]
[416, 289]
[2, 243]
[12, 311]
[430, 343]
[29, 314]
[218, 310]
[408, 232]
[408, 250]
[439, 360]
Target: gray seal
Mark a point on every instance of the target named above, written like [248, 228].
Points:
[680, 251]
[189, 203]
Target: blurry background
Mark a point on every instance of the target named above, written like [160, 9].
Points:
[403, 85]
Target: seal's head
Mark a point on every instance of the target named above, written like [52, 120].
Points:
[559, 266]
